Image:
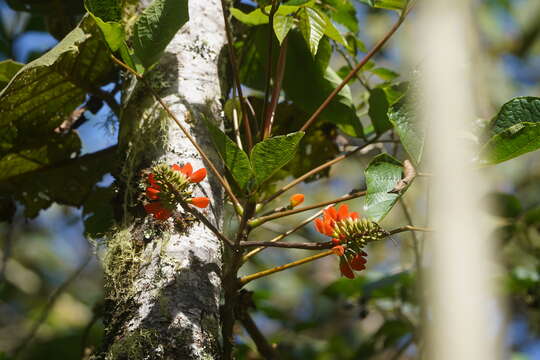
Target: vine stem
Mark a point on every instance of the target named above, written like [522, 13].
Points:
[280, 71]
[261, 220]
[244, 280]
[169, 112]
[273, 9]
[236, 76]
[314, 171]
[353, 72]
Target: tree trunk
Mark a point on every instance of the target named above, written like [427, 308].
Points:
[163, 280]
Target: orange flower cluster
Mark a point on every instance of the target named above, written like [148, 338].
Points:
[349, 234]
[167, 185]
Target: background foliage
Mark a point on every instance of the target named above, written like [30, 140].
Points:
[55, 189]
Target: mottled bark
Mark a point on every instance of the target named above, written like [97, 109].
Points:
[163, 281]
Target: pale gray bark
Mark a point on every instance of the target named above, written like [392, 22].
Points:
[164, 283]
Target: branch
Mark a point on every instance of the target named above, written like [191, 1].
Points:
[265, 349]
[353, 72]
[270, 113]
[305, 245]
[244, 280]
[260, 220]
[48, 307]
[236, 76]
[210, 164]
[409, 228]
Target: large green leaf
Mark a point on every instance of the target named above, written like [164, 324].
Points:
[517, 140]
[514, 131]
[43, 94]
[282, 26]
[68, 182]
[410, 132]
[156, 27]
[234, 158]
[308, 82]
[515, 111]
[382, 175]
[343, 12]
[272, 154]
[8, 68]
[313, 26]
[378, 110]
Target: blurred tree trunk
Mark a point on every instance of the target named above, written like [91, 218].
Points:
[163, 283]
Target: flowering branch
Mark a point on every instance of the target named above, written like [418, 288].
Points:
[217, 174]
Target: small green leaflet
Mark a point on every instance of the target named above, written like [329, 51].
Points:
[382, 175]
[257, 17]
[378, 109]
[411, 133]
[235, 159]
[282, 26]
[156, 27]
[312, 26]
[272, 154]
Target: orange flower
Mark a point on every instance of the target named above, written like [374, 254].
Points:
[157, 210]
[350, 234]
[152, 193]
[200, 202]
[186, 169]
[296, 199]
[198, 176]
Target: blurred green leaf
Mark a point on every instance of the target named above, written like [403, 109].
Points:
[257, 17]
[386, 4]
[98, 212]
[382, 175]
[107, 10]
[272, 154]
[343, 12]
[503, 205]
[516, 140]
[156, 27]
[8, 69]
[410, 132]
[378, 110]
[385, 74]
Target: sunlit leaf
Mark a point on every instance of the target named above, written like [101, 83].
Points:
[382, 175]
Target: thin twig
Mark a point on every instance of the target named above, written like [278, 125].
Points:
[270, 114]
[304, 245]
[217, 174]
[244, 280]
[269, 70]
[236, 76]
[409, 228]
[50, 304]
[316, 170]
[282, 236]
[353, 72]
[206, 222]
[265, 349]
[260, 220]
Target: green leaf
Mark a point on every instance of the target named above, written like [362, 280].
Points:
[282, 26]
[67, 182]
[385, 74]
[514, 131]
[411, 134]
[333, 33]
[515, 111]
[386, 4]
[382, 175]
[113, 32]
[272, 154]
[234, 158]
[107, 10]
[516, 140]
[312, 26]
[257, 17]
[343, 12]
[378, 110]
[44, 93]
[8, 68]
[156, 27]
[98, 212]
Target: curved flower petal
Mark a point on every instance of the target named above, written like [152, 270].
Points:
[296, 199]
[187, 169]
[200, 202]
[358, 262]
[153, 207]
[328, 229]
[152, 193]
[319, 225]
[343, 212]
[345, 268]
[354, 215]
[176, 167]
[152, 181]
[198, 176]
[339, 250]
